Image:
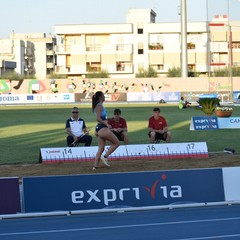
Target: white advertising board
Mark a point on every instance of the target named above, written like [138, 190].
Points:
[231, 122]
[153, 96]
[231, 182]
[36, 98]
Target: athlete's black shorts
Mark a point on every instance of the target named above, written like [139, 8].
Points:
[159, 136]
[100, 126]
[119, 135]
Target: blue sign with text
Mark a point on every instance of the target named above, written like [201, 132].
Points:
[205, 123]
[30, 97]
[98, 191]
[208, 96]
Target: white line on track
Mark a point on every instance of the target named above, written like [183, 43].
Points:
[125, 226]
[210, 237]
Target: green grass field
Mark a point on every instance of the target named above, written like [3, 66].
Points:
[26, 129]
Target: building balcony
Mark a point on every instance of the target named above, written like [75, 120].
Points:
[124, 68]
[126, 48]
[220, 47]
[62, 49]
[93, 48]
[218, 64]
[61, 70]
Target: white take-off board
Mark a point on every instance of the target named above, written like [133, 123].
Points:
[126, 152]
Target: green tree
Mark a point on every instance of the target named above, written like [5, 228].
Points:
[208, 105]
[57, 76]
[101, 74]
[236, 71]
[224, 72]
[13, 76]
[221, 72]
[149, 73]
[174, 72]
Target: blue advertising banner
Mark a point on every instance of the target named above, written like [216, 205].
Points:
[236, 96]
[9, 196]
[208, 96]
[98, 191]
[204, 123]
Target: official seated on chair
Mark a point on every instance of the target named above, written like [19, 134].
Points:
[119, 126]
[158, 128]
[76, 130]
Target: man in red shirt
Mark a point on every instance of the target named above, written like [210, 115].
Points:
[158, 128]
[119, 126]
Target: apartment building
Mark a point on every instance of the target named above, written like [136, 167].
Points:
[32, 53]
[124, 49]
[11, 56]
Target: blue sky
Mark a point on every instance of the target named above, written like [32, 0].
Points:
[29, 16]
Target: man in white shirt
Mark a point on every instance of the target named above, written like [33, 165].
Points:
[76, 130]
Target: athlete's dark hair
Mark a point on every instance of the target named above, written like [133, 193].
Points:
[117, 111]
[95, 99]
[156, 109]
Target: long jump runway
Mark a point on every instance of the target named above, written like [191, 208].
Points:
[219, 222]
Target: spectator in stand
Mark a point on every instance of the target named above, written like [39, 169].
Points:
[158, 128]
[119, 126]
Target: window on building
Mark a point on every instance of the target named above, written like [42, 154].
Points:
[191, 67]
[60, 40]
[49, 59]
[49, 46]
[140, 30]
[157, 67]
[49, 71]
[191, 70]
[223, 57]
[123, 66]
[140, 48]
[160, 67]
[120, 66]
[219, 57]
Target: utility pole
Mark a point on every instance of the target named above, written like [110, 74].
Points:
[231, 98]
[184, 57]
[208, 47]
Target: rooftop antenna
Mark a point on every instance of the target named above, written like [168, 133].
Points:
[179, 10]
[155, 5]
